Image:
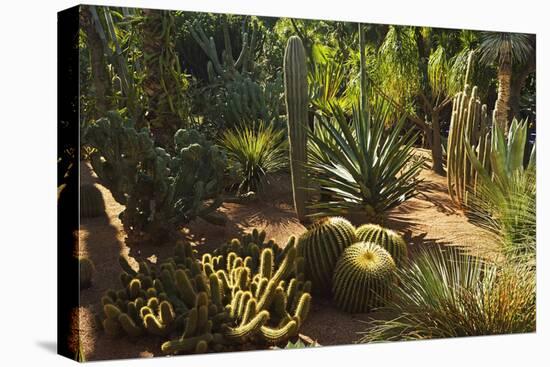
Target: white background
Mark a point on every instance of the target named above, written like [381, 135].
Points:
[28, 181]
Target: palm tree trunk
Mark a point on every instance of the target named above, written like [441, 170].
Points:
[502, 105]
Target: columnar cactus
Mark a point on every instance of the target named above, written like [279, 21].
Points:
[363, 278]
[470, 125]
[296, 99]
[389, 240]
[219, 303]
[321, 246]
[86, 272]
[91, 202]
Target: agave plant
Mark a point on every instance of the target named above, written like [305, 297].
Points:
[255, 151]
[504, 200]
[359, 165]
[448, 294]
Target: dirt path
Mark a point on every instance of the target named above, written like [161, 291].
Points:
[426, 220]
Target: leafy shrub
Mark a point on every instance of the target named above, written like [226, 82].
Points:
[255, 152]
[361, 166]
[448, 294]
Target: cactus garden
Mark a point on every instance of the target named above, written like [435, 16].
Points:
[258, 183]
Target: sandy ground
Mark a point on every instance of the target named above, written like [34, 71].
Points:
[430, 219]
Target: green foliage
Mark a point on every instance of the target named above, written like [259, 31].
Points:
[217, 304]
[504, 200]
[161, 192]
[255, 151]
[321, 247]
[296, 98]
[91, 202]
[364, 277]
[389, 240]
[86, 272]
[447, 294]
[362, 167]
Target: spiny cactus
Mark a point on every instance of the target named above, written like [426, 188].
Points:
[470, 124]
[219, 303]
[389, 240]
[363, 278]
[321, 246]
[160, 192]
[91, 202]
[296, 98]
[86, 272]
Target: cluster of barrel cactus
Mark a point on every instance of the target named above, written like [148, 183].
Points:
[355, 266]
[91, 201]
[321, 246]
[220, 302]
[161, 191]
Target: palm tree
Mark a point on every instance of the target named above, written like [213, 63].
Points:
[506, 50]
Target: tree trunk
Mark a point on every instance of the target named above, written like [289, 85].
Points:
[437, 153]
[517, 84]
[502, 105]
[100, 77]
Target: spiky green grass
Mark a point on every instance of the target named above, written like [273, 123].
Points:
[255, 151]
[448, 294]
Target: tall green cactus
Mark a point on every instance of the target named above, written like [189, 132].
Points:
[389, 240]
[321, 246]
[296, 99]
[363, 278]
[470, 124]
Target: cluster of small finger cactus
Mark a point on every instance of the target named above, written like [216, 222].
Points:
[321, 247]
[363, 277]
[390, 240]
[221, 302]
[86, 272]
[91, 201]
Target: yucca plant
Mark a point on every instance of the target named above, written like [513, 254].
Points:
[361, 166]
[255, 151]
[445, 293]
[504, 200]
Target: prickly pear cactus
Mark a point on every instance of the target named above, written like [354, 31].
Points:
[161, 192]
[86, 272]
[91, 202]
[363, 277]
[321, 246]
[296, 98]
[389, 240]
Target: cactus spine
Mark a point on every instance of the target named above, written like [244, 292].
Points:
[363, 277]
[91, 202]
[321, 247]
[469, 125]
[296, 98]
[389, 240]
